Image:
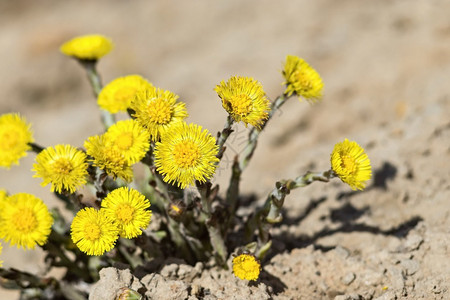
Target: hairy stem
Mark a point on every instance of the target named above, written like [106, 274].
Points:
[95, 81]
[270, 213]
[36, 148]
[212, 224]
[223, 136]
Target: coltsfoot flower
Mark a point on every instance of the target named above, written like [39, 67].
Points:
[244, 99]
[351, 164]
[302, 79]
[158, 110]
[64, 166]
[185, 154]
[246, 267]
[87, 47]
[15, 136]
[93, 231]
[130, 138]
[129, 209]
[25, 221]
[108, 158]
[117, 95]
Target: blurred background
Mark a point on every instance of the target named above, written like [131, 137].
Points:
[385, 65]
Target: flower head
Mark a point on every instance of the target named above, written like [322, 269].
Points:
[129, 209]
[185, 154]
[302, 79]
[93, 231]
[351, 164]
[25, 221]
[64, 166]
[15, 136]
[117, 95]
[246, 267]
[108, 157]
[244, 99]
[130, 138]
[87, 47]
[158, 110]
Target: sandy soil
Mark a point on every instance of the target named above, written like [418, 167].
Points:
[385, 65]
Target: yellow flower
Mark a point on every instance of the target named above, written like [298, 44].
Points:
[130, 138]
[244, 99]
[117, 95]
[108, 158]
[87, 47]
[15, 134]
[302, 79]
[185, 154]
[25, 221]
[246, 267]
[93, 231]
[64, 166]
[351, 164]
[129, 209]
[158, 110]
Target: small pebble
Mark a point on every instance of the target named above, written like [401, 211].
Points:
[349, 278]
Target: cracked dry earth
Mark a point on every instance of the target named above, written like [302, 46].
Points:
[386, 67]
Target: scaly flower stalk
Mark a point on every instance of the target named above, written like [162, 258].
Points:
[270, 213]
[108, 119]
[246, 155]
[207, 195]
[223, 136]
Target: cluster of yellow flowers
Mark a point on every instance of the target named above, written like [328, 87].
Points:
[182, 153]
[123, 213]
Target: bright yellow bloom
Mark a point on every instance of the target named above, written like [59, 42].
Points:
[158, 110]
[246, 267]
[244, 99]
[93, 231]
[64, 166]
[25, 221]
[87, 47]
[351, 164]
[15, 134]
[302, 79]
[117, 95]
[130, 138]
[108, 158]
[129, 209]
[185, 154]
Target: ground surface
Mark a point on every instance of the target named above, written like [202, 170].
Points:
[385, 65]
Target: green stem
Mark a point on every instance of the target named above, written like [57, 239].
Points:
[223, 136]
[212, 224]
[159, 189]
[13, 278]
[94, 79]
[36, 148]
[53, 248]
[232, 196]
[270, 213]
[253, 136]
